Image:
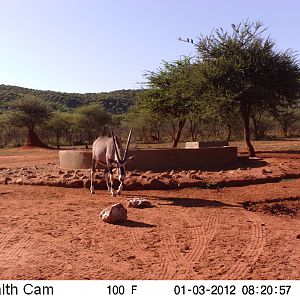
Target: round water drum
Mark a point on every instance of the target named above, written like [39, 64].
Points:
[75, 159]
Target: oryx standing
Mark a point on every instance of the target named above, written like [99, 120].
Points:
[107, 151]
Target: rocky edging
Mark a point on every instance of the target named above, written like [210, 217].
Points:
[51, 175]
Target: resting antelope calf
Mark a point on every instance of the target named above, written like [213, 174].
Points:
[107, 151]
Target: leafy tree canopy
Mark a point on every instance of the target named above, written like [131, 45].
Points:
[174, 91]
[245, 67]
[29, 112]
[93, 120]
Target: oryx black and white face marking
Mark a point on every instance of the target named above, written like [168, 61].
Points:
[122, 174]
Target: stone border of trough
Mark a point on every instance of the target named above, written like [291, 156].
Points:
[154, 183]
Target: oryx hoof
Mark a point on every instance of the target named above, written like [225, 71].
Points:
[113, 193]
[92, 189]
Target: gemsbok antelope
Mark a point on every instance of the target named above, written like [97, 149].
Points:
[107, 151]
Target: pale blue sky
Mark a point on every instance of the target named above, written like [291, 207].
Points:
[97, 45]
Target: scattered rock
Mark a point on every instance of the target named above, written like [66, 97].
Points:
[165, 175]
[67, 175]
[4, 180]
[19, 180]
[139, 203]
[70, 172]
[266, 171]
[176, 176]
[50, 176]
[114, 214]
[192, 172]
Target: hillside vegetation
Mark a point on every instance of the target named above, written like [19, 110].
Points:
[115, 102]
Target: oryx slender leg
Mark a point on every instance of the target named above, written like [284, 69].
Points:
[121, 179]
[106, 178]
[93, 171]
[108, 174]
[120, 189]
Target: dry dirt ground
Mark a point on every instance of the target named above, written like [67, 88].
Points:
[246, 231]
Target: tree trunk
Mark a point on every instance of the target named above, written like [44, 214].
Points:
[158, 136]
[255, 126]
[178, 133]
[33, 140]
[246, 119]
[193, 131]
[285, 129]
[229, 132]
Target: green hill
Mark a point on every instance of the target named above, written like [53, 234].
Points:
[115, 102]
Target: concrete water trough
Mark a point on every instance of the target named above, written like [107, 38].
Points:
[159, 159]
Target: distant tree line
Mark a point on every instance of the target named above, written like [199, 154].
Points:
[32, 122]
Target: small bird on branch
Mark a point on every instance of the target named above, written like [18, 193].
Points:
[186, 41]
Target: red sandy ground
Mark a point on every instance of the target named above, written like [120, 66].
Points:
[55, 233]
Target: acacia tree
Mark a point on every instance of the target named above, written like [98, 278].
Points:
[172, 92]
[92, 120]
[245, 67]
[29, 112]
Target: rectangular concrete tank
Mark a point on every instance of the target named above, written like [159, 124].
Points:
[186, 159]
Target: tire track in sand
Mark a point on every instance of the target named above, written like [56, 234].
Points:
[173, 259]
[137, 246]
[167, 271]
[204, 236]
[20, 250]
[4, 240]
[252, 252]
[143, 255]
[176, 260]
